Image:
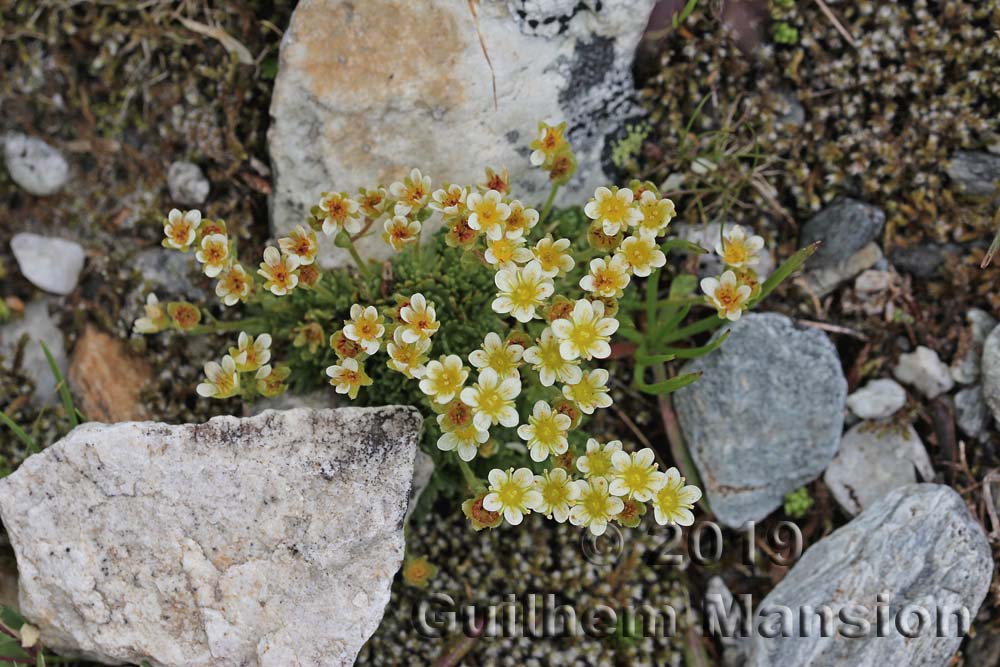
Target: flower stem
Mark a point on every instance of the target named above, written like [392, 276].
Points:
[548, 207]
[345, 241]
[475, 484]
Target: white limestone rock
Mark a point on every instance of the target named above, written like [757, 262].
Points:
[367, 90]
[49, 263]
[878, 399]
[924, 370]
[261, 542]
[34, 165]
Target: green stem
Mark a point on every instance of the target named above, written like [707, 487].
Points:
[548, 208]
[475, 484]
[709, 323]
[345, 241]
[678, 447]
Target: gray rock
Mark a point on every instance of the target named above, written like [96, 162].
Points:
[845, 227]
[965, 370]
[873, 460]
[824, 279]
[34, 165]
[970, 411]
[187, 184]
[423, 470]
[170, 274]
[991, 372]
[358, 101]
[766, 416]
[37, 325]
[924, 260]
[261, 542]
[878, 399]
[924, 369]
[976, 173]
[918, 545]
[49, 263]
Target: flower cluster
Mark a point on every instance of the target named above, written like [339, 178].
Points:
[526, 387]
[731, 292]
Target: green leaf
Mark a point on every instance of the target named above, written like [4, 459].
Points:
[695, 352]
[678, 243]
[28, 441]
[648, 359]
[667, 386]
[64, 394]
[630, 335]
[787, 268]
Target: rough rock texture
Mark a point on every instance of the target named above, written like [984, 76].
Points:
[965, 368]
[50, 263]
[991, 372]
[872, 461]
[37, 325]
[878, 399]
[187, 184]
[766, 416]
[358, 100]
[845, 227]
[270, 541]
[970, 411]
[34, 165]
[824, 279]
[924, 369]
[975, 172]
[919, 545]
[107, 377]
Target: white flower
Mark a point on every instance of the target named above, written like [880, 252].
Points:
[234, 284]
[553, 256]
[522, 290]
[400, 231]
[545, 432]
[155, 319]
[520, 221]
[492, 400]
[506, 253]
[586, 333]
[466, 440]
[546, 359]
[449, 200]
[737, 250]
[444, 379]
[365, 328]
[180, 229]
[408, 358]
[591, 392]
[597, 461]
[488, 213]
[300, 244]
[412, 194]
[656, 214]
[348, 377]
[511, 492]
[419, 319]
[641, 254]
[595, 506]
[635, 475]
[557, 494]
[278, 272]
[607, 277]
[340, 213]
[250, 354]
[613, 209]
[221, 380]
[499, 355]
[727, 295]
[214, 254]
[674, 501]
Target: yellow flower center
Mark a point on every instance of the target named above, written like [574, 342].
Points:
[728, 296]
[510, 494]
[503, 250]
[612, 208]
[596, 504]
[555, 494]
[584, 334]
[636, 477]
[490, 400]
[600, 462]
[669, 500]
[180, 231]
[500, 360]
[224, 383]
[638, 254]
[734, 252]
[234, 282]
[487, 213]
[548, 258]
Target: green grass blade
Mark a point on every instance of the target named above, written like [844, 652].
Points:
[790, 266]
[667, 386]
[67, 399]
[695, 352]
[21, 434]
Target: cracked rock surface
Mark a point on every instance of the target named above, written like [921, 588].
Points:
[359, 100]
[262, 542]
[918, 549]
